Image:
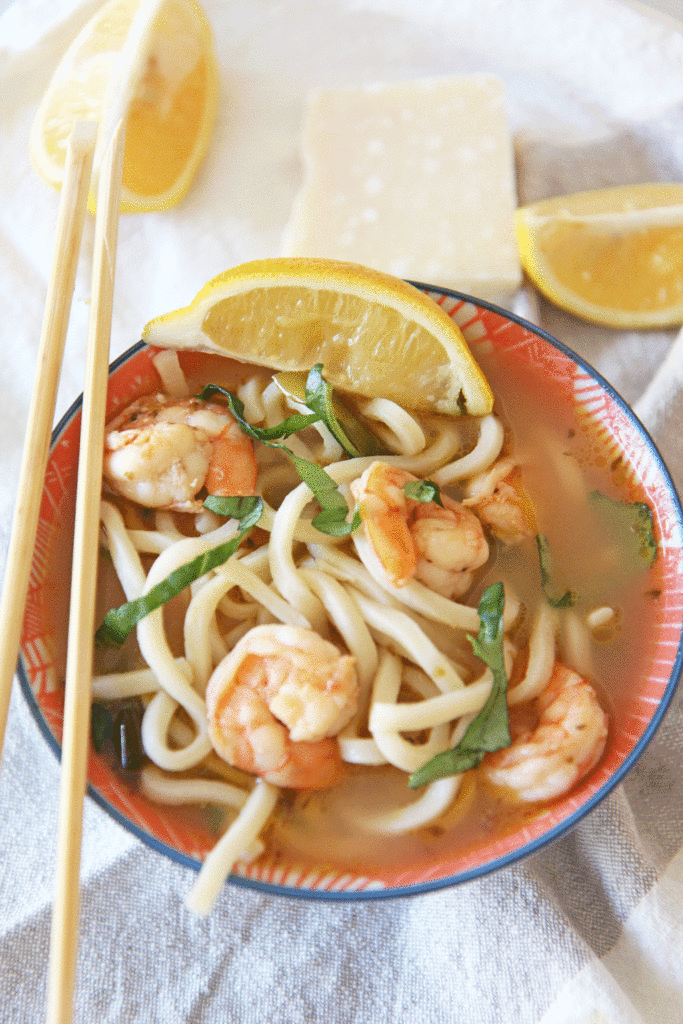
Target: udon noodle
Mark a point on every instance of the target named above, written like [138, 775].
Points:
[404, 682]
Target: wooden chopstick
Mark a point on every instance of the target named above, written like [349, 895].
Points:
[75, 740]
[65, 254]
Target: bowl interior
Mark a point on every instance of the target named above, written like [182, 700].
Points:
[187, 838]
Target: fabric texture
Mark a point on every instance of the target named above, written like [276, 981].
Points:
[588, 930]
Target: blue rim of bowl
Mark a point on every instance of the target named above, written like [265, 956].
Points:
[522, 852]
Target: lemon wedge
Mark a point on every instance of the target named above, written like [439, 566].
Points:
[374, 334]
[612, 256]
[151, 63]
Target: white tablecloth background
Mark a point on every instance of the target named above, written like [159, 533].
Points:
[589, 931]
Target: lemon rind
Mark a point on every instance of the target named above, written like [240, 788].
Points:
[182, 328]
[533, 216]
[113, 104]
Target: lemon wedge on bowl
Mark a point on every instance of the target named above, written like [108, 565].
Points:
[151, 63]
[613, 256]
[374, 334]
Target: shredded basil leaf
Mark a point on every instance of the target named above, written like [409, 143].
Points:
[332, 519]
[566, 600]
[319, 398]
[319, 395]
[291, 425]
[423, 491]
[232, 507]
[631, 526]
[329, 522]
[490, 729]
[120, 622]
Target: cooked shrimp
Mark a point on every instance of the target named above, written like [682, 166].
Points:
[160, 452]
[498, 498]
[276, 703]
[441, 547]
[545, 762]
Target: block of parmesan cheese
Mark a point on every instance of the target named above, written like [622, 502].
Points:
[413, 178]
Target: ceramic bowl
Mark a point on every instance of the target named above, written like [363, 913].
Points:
[487, 329]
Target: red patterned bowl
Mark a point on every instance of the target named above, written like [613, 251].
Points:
[492, 334]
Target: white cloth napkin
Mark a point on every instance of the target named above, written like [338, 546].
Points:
[588, 931]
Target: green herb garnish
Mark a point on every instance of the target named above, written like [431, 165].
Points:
[628, 527]
[318, 394]
[319, 398]
[490, 729]
[423, 491]
[233, 507]
[631, 526]
[120, 622]
[332, 519]
[566, 600]
[291, 425]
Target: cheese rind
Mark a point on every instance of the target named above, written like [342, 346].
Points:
[413, 178]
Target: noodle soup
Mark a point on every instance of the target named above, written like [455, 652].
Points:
[581, 590]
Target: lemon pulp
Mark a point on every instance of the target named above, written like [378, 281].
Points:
[152, 63]
[612, 256]
[374, 334]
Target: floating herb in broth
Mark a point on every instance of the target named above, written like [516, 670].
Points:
[490, 729]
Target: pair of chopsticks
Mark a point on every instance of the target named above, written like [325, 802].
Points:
[75, 741]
